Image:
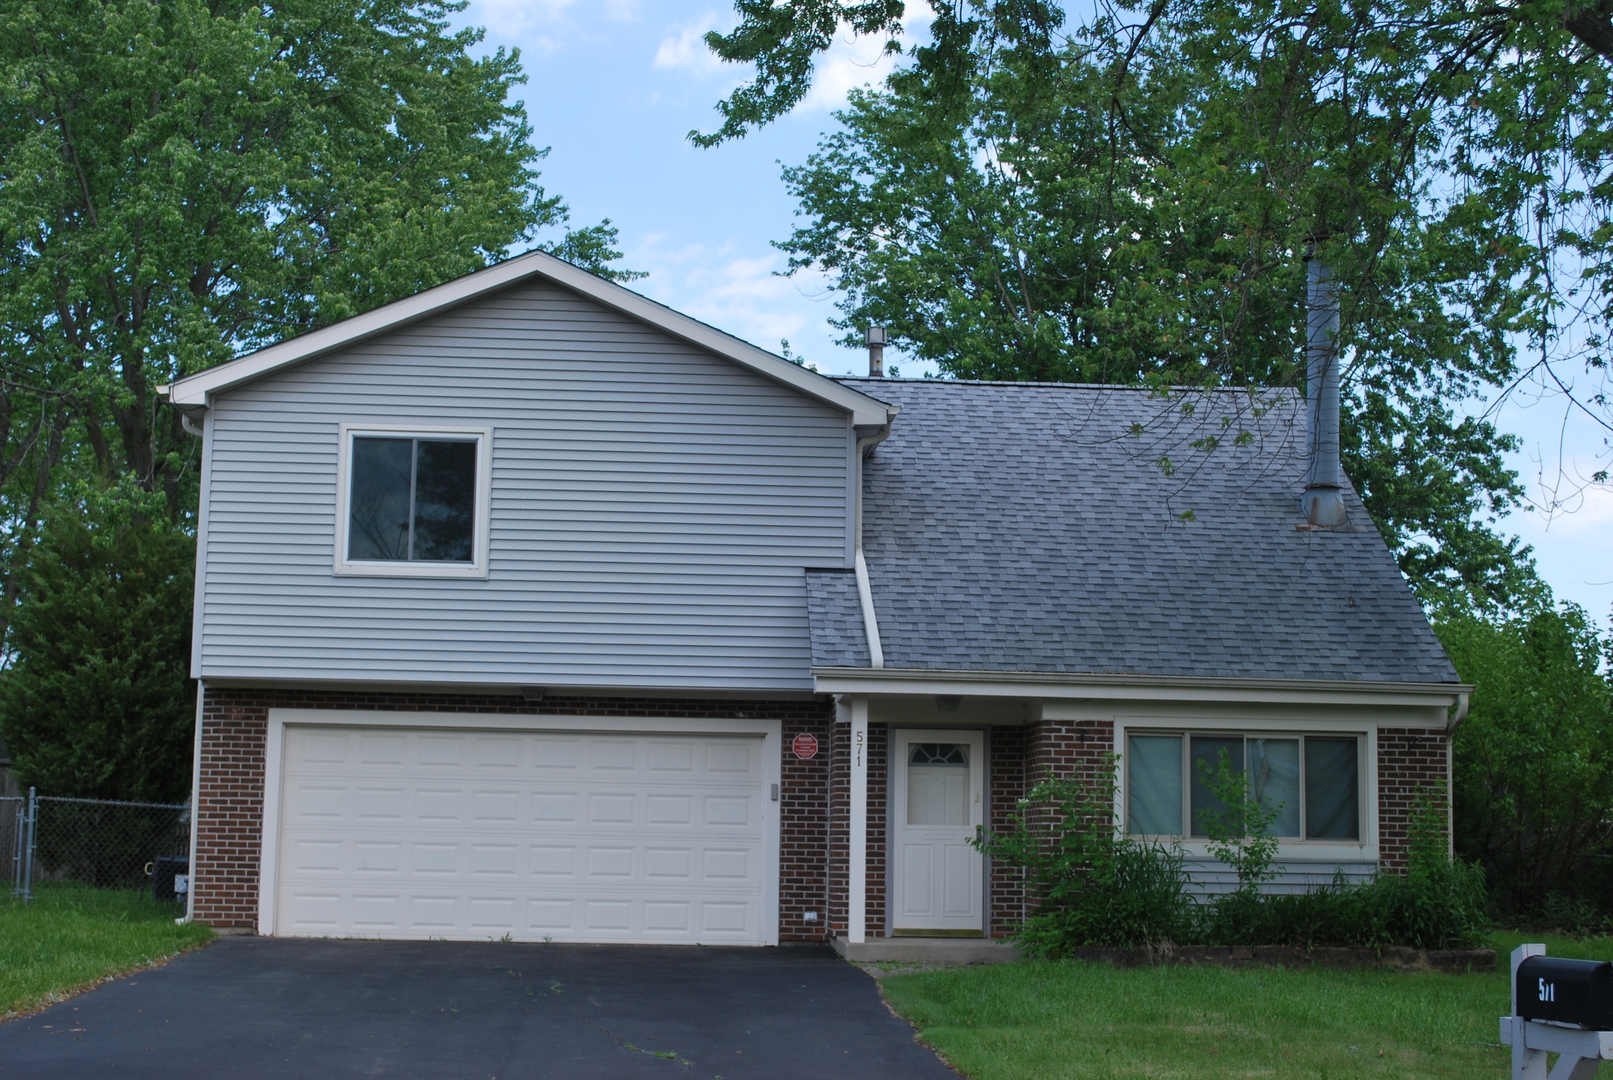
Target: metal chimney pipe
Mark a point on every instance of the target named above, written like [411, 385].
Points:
[875, 337]
[1322, 502]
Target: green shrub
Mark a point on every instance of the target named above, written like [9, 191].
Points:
[1093, 887]
[1533, 762]
[1090, 886]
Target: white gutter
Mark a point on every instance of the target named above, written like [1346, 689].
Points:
[865, 591]
[1055, 686]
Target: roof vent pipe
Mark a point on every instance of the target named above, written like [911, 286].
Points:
[875, 337]
[1322, 502]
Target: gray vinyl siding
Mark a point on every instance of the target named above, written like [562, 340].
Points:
[1211, 877]
[653, 510]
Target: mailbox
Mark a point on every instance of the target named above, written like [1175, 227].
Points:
[1566, 991]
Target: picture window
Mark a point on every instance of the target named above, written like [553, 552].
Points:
[1313, 781]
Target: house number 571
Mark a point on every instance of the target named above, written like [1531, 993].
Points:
[861, 735]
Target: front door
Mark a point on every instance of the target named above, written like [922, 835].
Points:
[937, 803]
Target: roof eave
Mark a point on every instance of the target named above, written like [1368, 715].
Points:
[197, 390]
[1076, 686]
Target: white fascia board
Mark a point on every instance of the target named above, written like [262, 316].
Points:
[921, 682]
[197, 390]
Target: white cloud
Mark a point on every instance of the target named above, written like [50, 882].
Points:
[546, 26]
[739, 294]
[687, 51]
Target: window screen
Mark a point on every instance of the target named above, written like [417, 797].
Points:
[412, 499]
[1332, 799]
[1154, 785]
[1206, 755]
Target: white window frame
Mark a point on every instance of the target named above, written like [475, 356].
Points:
[1365, 849]
[422, 568]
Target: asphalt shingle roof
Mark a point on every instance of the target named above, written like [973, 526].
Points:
[1032, 527]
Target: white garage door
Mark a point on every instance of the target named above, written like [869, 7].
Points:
[419, 833]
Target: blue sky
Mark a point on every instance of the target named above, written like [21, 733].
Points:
[615, 86]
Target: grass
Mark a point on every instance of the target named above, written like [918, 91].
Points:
[1050, 1021]
[71, 937]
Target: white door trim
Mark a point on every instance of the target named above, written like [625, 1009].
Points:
[770, 731]
[896, 770]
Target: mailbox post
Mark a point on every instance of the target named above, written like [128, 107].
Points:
[1562, 1007]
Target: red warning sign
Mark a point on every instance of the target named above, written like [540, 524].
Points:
[805, 747]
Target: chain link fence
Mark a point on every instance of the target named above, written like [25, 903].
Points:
[96, 842]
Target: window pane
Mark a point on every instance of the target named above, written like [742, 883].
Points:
[1206, 754]
[378, 517]
[1274, 781]
[938, 784]
[1154, 785]
[445, 501]
[1332, 805]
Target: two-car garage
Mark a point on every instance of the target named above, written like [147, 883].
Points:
[426, 826]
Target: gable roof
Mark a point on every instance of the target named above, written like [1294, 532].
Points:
[1017, 527]
[196, 390]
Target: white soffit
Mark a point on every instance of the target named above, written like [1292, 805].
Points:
[197, 390]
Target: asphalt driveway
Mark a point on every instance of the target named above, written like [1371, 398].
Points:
[260, 1007]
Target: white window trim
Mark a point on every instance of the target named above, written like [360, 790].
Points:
[1288, 849]
[769, 731]
[403, 568]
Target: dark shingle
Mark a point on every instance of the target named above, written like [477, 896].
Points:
[1030, 527]
[836, 617]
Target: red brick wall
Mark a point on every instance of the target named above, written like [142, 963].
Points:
[1410, 761]
[839, 830]
[878, 826]
[229, 814]
[235, 725]
[1068, 747]
[1007, 784]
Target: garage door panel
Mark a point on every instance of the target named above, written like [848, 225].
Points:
[467, 835]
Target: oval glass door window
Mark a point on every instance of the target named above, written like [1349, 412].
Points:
[938, 784]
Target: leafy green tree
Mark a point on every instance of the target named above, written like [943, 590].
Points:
[98, 703]
[1534, 760]
[184, 179]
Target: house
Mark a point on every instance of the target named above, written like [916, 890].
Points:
[526, 606]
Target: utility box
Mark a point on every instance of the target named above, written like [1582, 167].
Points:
[1578, 992]
[164, 868]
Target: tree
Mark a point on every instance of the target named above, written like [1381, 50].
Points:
[1533, 764]
[1131, 201]
[182, 180]
[98, 703]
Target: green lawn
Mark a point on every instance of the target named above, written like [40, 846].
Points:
[73, 936]
[1041, 1021]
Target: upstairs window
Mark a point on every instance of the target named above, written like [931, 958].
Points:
[1313, 782]
[414, 503]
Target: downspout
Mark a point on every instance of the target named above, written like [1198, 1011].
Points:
[865, 591]
[1461, 714]
[195, 806]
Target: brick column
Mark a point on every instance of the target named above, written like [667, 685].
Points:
[1410, 761]
[1006, 892]
[229, 812]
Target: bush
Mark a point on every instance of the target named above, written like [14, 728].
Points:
[1093, 887]
[1533, 793]
[1090, 886]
